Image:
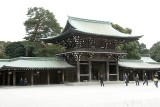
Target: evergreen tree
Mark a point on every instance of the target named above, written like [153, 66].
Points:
[41, 23]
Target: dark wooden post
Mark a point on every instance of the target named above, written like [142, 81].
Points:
[117, 69]
[3, 78]
[107, 65]
[90, 68]
[133, 73]
[32, 78]
[62, 76]
[77, 58]
[48, 77]
[78, 71]
[14, 78]
[8, 78]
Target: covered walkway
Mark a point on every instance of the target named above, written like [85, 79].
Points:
[133, 67]
[37, 70]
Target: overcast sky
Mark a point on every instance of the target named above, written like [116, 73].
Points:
[142, 16]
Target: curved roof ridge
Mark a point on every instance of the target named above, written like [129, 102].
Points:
[89, 20]
[96, 27]
[38, 58]
[92, 28]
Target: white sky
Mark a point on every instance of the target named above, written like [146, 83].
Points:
[142, 16]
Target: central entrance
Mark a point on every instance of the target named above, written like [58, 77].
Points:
[94, 69]
[98, 69]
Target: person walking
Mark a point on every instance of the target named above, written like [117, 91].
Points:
[25, 81]
[155, 79]
[137, 80]
[101, 80]
[126, 79]
[21, 82]
[145, 79]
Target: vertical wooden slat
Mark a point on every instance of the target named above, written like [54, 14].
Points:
[107, 70]
[32, 81]
[90, 68]
[14, 78]
[48, 77]
[78, 71]
[117, 70]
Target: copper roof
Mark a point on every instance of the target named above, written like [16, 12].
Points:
[37, 62]
[144, 63]
[92, 27]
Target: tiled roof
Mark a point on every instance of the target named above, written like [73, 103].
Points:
[148, 59]
[96, 27]
[37, 62]
[144, 63]
[3, 62]
[91, 27]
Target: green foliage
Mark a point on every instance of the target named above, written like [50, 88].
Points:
[132, 48]
[41, 50]
[15, 49]
[143, 49]
[2, 55]
[122, 30]
[41, 23]
[30, 48]
[2, 49]
[49, 50]
[155, 51]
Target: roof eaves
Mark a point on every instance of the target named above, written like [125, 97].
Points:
[109, 36]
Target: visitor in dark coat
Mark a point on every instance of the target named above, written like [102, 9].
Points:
[25, 81]
[145, 79]
[126, 79]
[101, 80]
[21, 82]
[137, 80]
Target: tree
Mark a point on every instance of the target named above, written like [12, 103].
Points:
[37, 49]
[41, 23]
[2, 49]
[49, 50]
[30, 47]
[143, 49]
[15, 49]
[120, 29]
[155, 51]
[131, 47]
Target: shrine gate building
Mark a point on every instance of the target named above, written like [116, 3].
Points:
[91, 47]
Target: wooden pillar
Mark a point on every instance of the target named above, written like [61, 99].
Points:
[3, 78]
[78, 71]
[133, 73]
[117, 69]
[48, 77]
[8, 78]
[14, 78]
[106, 74]
[32, 78]
[152, 75]
[107, 65]
[90, 70]
[62, 76]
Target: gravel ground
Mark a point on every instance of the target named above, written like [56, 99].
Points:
[112, 95]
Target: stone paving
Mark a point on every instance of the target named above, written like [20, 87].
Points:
[112, 95]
